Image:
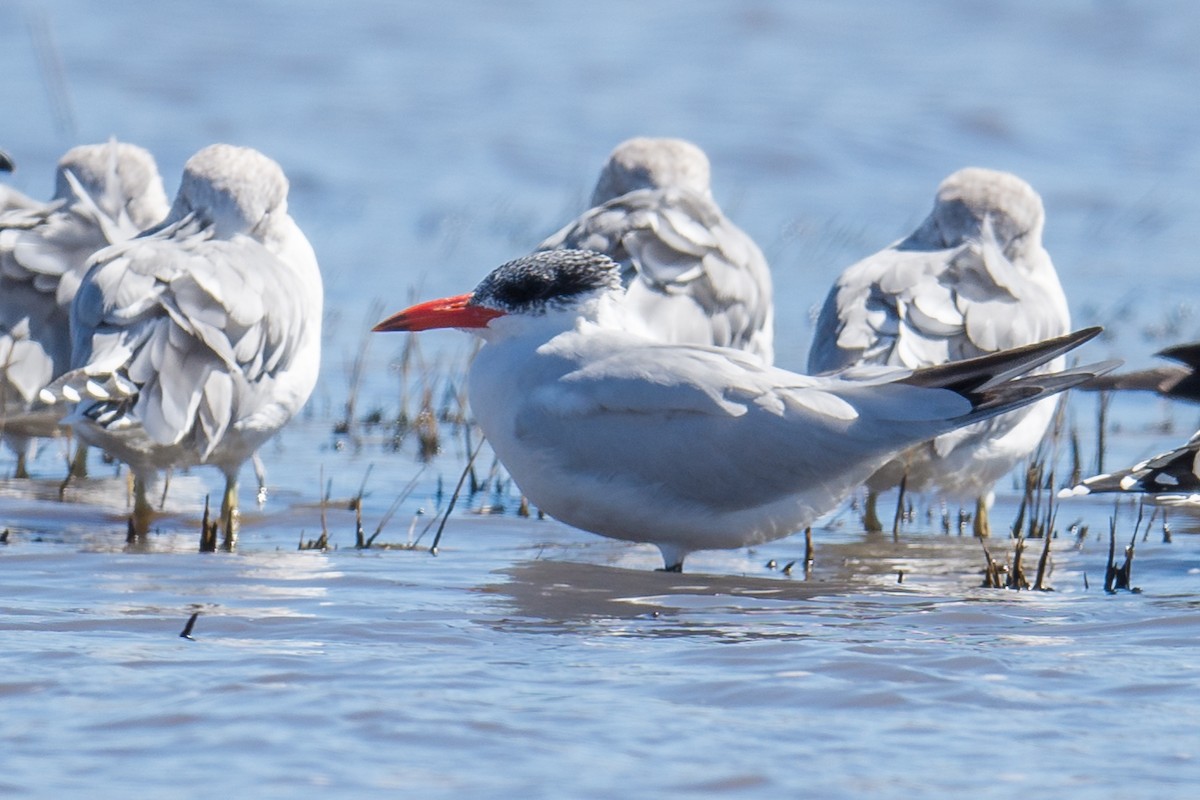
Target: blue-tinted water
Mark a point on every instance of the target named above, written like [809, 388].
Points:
[427, 143]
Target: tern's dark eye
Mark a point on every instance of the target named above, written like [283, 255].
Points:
[546, 279]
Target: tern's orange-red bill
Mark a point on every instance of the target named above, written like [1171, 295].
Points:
[447, 312]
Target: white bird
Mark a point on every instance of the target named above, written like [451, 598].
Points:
[690, 447]
[972, 279]
[104, 194]
[197, 341]
[691, 276]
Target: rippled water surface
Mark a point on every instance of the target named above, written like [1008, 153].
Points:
[427, 143]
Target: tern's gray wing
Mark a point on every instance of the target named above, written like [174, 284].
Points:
[690, 273]
[916, 304]
[181, 334]
[706, 427]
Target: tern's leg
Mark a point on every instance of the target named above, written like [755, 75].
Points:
[22, 470]
[871, 515]
[672, 558]
[143, 514]
[230, 516]
[983, 524]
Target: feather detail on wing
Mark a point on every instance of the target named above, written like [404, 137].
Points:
[172, 333]
[916, 305]
[701, 279]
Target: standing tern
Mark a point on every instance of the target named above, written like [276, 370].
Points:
[104, 194]
[197, 341]
[683, 446]
[691, 276]
[972, 279]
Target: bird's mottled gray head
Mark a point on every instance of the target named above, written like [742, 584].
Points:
[646, 163]
[966, 197]
[547, 280]
[114, 174]
[233, 188]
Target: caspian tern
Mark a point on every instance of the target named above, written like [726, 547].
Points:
[691, 276]
[104, 194]
[197, 341]
[690, 447]
[972, 279]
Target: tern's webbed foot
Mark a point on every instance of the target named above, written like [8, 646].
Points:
[678, 567]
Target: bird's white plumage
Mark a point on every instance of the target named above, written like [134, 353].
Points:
[691, 275]
[203, 334]
[684, 446]
[972, 279]
[104, 194]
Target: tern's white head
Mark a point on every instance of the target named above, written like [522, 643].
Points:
[646, 163]
[535, 285]
[968, 197]
[235, 189]
[114, 175]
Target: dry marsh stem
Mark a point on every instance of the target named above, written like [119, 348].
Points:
[899, 506]
[188, 626]
[1103, 401]
[1016, 578]
[993, 570]
[433, 548]
[326, 490]
[393, 508]
[1110, 570]
[1026, 498]
[1043, 565]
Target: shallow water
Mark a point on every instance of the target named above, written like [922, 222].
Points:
[426, 144]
